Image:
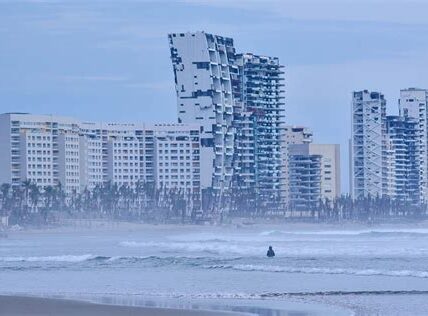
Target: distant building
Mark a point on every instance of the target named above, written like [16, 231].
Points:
[43, 149]
[330, 169]
[259, 116]
[368, 144]
[51, 150]
[304, 178]
[402, 159]
[203, 67]
[238, 100]
[291, 135]
[413, 102]
[314, 174]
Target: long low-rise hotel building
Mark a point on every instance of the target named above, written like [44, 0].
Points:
[49, 150]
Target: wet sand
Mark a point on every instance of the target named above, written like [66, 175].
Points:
[26, 306]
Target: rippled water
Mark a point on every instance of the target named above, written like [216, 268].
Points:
[217, 262]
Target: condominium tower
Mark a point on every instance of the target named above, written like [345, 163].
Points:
[237, 98]
[402, 159]
[259, 110]
[368, 144]
[413, 102]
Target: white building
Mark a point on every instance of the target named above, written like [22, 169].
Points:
[39, 148]
[330, 169]
[177, 158]
[413, 102]
[368, 172]
[51, 150]
[91, 162]
[291, 135]
[124, 160]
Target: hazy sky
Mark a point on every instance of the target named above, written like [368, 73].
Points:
[109, 60]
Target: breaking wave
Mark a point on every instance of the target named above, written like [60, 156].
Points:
[374, 232]
[206, 247]
[63, 258]
[365, 272]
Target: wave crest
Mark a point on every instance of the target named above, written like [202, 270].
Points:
[366, 272]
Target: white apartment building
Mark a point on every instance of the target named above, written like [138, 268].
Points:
[51, 150]
[413, 102]
[124, 160]
[291, 135]
[177, 159]
[91, 162]
[314, 174]
[368, 172]
[37, 148]
[330, 169]
[69, 161]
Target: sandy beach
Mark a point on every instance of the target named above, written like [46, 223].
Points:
[34, 306]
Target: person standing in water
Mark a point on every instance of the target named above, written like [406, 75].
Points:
[270, 252]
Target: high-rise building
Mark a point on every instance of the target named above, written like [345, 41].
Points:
[402, 159]
[368, 144]
[238, 99]
[413, 102]
[259, 125]
[204, 66]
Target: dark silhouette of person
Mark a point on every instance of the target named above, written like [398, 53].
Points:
[270, 252]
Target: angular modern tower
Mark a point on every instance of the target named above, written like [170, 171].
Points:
[204, 67]
[368, 171]
[238, 101]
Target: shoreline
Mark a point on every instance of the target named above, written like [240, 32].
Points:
[28, 305]
[96, 225]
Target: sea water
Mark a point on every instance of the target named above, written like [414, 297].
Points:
[224, 264]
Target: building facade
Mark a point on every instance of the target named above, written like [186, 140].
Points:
[238, 99]
[368, 144]
[291, 135]
[413, 103]
[304, 178]
[260, 100]
[402, 159]
[330, 169]
[51, 150]
[314, 174]
[203, 67]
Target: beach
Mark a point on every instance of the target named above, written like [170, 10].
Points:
[34, 306]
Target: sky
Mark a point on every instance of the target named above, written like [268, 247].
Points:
[109, 60]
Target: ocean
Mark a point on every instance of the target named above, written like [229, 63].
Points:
[318, 270]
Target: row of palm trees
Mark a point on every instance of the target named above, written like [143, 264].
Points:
[367, 209]
[144, 201]
[29, 202]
